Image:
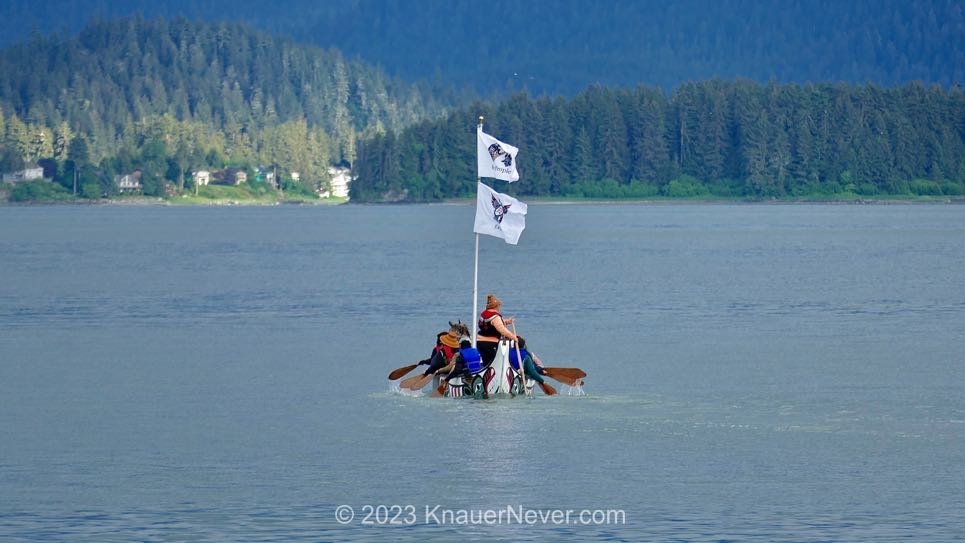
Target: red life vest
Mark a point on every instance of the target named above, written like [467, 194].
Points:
[446, 351]
[486, 327]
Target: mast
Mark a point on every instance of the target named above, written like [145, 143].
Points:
[475, 267]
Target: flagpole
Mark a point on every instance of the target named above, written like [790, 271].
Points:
[475, 268]
[475, 293]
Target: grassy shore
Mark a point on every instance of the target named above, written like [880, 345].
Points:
[220, 195]
[211, 195]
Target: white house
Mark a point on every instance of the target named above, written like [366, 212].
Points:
[341, 177]
[129, 182]
[202, 177]
[30, 172]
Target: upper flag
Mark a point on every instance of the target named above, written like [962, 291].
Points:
[499, 215]
[495, 158]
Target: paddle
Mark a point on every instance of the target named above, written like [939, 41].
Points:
[417, 382]
[397, 373]
[569, 382]
[441, 389]
[568, 374]
[547, 389]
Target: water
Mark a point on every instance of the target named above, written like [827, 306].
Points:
[756, 373]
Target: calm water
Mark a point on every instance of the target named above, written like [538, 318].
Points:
[757, 373]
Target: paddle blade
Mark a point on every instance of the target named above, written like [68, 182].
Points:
[417, 382]
[407, 383]
[401, 371]
[568, 381]
[568, 373]
[441, 390]
[547, 389]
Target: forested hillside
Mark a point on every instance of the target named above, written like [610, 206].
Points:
[563, 46]
[171, 97]
[198, 95]
[713, 138]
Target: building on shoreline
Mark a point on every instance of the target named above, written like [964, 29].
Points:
[129, 182]
[340, 180]
[201, 178]
[30, 172]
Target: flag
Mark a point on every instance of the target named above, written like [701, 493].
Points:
[495, 158]
[499, 215]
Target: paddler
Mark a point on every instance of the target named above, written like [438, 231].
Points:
[492, 327]
[529, 366]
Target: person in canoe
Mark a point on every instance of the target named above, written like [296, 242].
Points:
[530, 368]
[466, 361]
[447, 343]
[492, 327]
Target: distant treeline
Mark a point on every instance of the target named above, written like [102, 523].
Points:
[713, 138]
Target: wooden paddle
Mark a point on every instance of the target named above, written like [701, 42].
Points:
[441, 390]
[568, 381]
[417, 382]
[570, 374]
[547, 389]
[397, 373]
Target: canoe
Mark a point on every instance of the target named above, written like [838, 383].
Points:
[497, 379]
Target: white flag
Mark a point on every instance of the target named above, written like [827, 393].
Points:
[495, 158]
[499, 215]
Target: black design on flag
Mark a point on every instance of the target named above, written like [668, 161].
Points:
[499, 210]
[496, 151]
[495, 159]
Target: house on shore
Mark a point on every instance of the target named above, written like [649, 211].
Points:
[130, 182]
[340, 180]
[201, 178]
[30, 172]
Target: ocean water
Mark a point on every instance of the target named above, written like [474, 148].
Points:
[756, 373]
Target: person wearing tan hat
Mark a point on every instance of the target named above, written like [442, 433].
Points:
[492, 326]
[447, 344]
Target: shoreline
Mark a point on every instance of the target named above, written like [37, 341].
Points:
[930, 200]
[162, 202]
[174, 202]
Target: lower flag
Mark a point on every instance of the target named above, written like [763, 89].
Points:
[499, 215]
